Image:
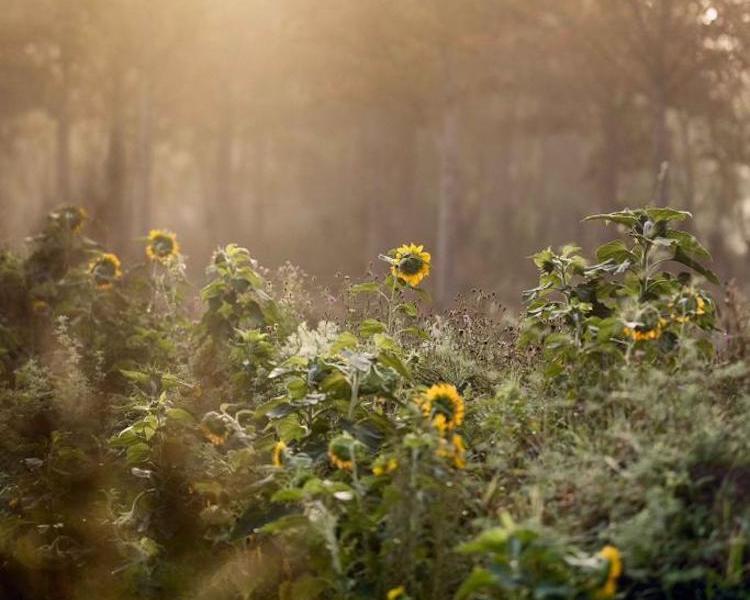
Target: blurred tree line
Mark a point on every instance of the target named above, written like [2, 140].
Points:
[326, 132]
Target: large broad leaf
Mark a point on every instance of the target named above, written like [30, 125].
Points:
[667, 214]
[258, 516]
[370, 287]
[392, 360]
[615, 251]
[688, 244]
[682, 258]
[370, 327]
[479, 579]
[623, 217]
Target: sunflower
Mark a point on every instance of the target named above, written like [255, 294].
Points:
[454, 450]
[105, 270]
[443, 405]
[278, 454]
[396, 593]
[72, 218]
[411, 264]
[614, 570]
[162, 245]
[384, 467]
[640, 333]
[690, 306]
[341, 451]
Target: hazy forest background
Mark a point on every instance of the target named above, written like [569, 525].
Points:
[326, 132]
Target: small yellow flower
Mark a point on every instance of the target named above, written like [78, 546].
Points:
[383, 467]
[614, 559]
[411, 264]
[700, 306]
[162, 245]
[396, 593]
[443, 405]
[278, 454]
[105, 270]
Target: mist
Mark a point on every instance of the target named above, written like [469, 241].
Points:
[326, 133]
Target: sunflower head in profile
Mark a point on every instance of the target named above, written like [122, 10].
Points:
[162, 245]
[342, 452]
[71, 218]
[410, 263]
[443, 406]
[105, 269]
[277, 455]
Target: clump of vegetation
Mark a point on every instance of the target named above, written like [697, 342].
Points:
[597, 448]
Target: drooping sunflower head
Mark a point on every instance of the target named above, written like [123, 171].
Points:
[214, 429]
[689, 306]
[342, 451]
[71, 218]
[105, 269]
[443, 406]
[411, 264]
[162, 245]
[277, 456]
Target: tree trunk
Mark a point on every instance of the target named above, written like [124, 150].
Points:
[609, 182]
[688, 158]
[62, 137]
[113, 210]
[261, 186]
[662, 147]
[223, 188]
[143, 220]
[447, 203]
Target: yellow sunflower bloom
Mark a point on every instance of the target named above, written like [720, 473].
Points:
[278, 454]
[640, 335]
[443, 405]
[411, 264]
[162, 245]
[105, 269]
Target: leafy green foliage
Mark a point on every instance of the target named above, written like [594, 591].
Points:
[246, 453]
[626, 305]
